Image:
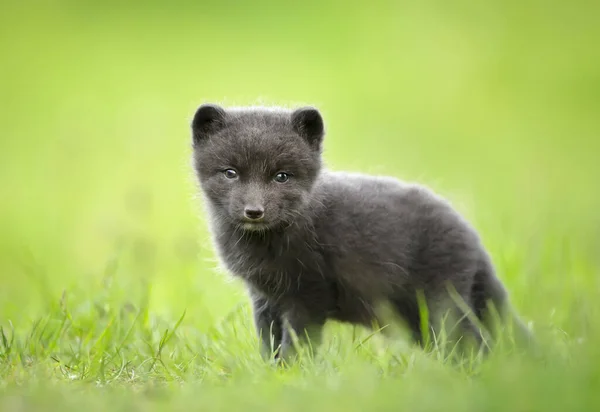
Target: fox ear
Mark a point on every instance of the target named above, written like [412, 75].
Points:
[308, 123]
[209, 118]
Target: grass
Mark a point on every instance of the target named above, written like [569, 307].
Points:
[110, 293]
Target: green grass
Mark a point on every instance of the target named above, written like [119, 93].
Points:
[110, 292]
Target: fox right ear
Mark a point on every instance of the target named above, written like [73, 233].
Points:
[308, 123]
[209, 118]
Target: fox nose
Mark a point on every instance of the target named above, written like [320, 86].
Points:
[254, 212]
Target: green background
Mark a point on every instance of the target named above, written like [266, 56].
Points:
[103, 240]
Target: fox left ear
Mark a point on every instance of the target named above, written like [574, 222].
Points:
[209, 119]
[308, 123]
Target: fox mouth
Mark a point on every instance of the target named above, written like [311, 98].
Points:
[254, 226]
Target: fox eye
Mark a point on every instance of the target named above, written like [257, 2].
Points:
[282, 177]
[230, 173]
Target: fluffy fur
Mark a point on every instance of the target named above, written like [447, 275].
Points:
[331, 245]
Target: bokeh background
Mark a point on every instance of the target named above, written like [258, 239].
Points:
[493, 104]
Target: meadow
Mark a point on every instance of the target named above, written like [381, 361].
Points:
[110, 292]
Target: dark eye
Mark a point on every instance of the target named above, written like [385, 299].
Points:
[230, 173]
[282, 177]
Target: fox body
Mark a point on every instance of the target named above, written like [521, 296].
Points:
[313, 245]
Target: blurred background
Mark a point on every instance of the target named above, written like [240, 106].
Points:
[493, 104]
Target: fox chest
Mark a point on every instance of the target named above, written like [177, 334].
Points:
[278, 272]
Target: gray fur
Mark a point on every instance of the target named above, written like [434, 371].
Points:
[331, 245]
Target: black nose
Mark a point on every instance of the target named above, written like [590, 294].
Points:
[254, 213]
